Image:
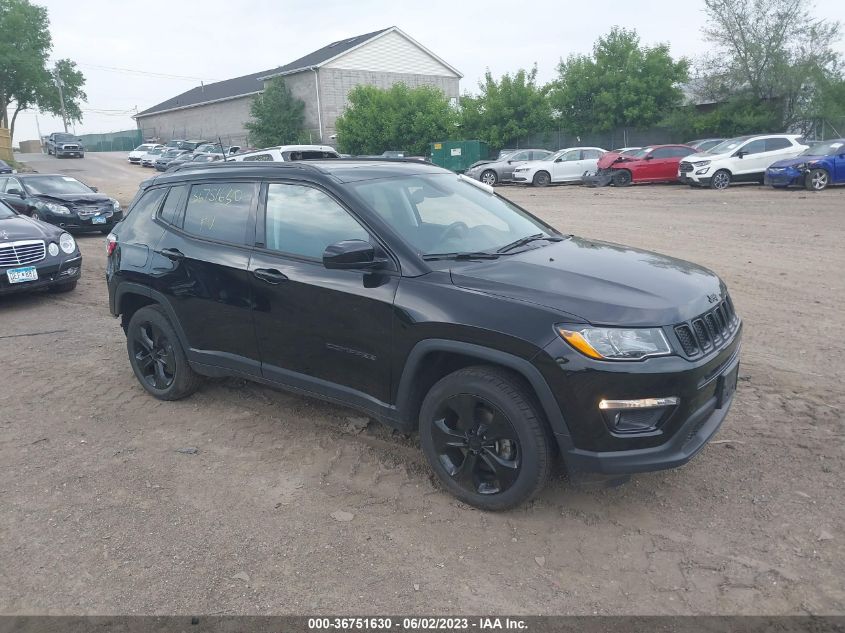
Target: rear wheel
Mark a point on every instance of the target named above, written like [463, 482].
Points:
[489, 177]
[817, 180]
[721, 180]
[157, 357]
[485, 439]
[542, 178]
[622, 178]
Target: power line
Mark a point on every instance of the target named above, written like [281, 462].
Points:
[146, 73]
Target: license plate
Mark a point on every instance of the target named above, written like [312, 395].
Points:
[726, 386]
[21, 275]
[98, 219]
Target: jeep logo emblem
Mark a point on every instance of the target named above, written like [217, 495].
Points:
[713, 298]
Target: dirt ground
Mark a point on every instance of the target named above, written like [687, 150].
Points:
[101, 513]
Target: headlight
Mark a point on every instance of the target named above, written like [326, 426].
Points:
[53, 207]
[605, 343]
[701, 163]
[115, 204]
[67, 243]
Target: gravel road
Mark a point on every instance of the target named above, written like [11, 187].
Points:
[292, 506]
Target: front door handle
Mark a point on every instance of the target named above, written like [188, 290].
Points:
[173, 254]
[270, 275]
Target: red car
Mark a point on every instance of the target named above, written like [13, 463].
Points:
[656, 163]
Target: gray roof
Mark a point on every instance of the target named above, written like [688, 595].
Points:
[251, 84]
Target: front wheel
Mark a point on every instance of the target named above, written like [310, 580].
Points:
[485, 439]
[721, 180]
[157, 356]
[817, 180]
[542, 178]
[489, 177]
[622, 178]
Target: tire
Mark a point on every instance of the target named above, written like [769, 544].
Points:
[721, 180]
[501, 427]
[157, 357]
[66, 287]
[622, 178]
[489, 177]
[541, 179]
[817, 180]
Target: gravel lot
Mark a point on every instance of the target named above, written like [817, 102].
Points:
[101, 513]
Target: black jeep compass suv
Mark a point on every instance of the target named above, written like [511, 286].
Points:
[429, 302]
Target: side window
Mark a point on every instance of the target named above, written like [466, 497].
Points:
[12, 183]
[145, 206]
[264, 157]
[664, 152]
[773, 144]
[575, 154]
[681, 152]
[3, 183]
[591, 154]
[540, 155]
[755, 147]
[220, 211]
[170, 210]
[304, 221]
[520, 156]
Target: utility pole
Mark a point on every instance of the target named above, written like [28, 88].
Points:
[61, 95]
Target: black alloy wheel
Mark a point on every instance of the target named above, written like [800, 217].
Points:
[622, 178]
[476, 444]
[542, 178]
[154, 355]
[157, 356]
[484, 438]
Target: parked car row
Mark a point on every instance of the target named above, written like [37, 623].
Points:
[780, 160]
[161, 156]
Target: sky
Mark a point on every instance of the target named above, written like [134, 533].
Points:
[135, 55]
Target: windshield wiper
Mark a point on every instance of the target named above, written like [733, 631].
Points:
[527, 240]
[467, 255]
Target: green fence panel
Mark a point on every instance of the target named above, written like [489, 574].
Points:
[123, 141]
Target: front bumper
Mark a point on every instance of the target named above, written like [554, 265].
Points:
[691, 178]
[590, 445]
[50, 273]
[78, 153]
[86, 222]
[784, 177]
[523, 177]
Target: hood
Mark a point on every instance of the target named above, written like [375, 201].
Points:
[21, 227]
[76, 198]
[608, 159]
[798, 160]
[478, 163]
[599, 282]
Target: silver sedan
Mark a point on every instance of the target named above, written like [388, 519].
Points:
[501, 170]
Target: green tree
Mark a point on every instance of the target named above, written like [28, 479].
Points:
[399, 118]
[25, 81]
[506, 110]
[622, 84]
[277, 115]
[772, 56]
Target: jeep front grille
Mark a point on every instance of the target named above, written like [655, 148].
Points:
[708, 331]
[23, 252]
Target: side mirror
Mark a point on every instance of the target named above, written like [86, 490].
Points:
[649, 157]
[15, 192]
[351, 255]
[740, 154]
[94, 189]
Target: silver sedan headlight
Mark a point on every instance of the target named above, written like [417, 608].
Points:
[67, 243]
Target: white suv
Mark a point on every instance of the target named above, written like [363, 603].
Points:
[285, 153]
[741, 159]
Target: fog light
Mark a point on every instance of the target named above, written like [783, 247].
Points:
[645, 403]
[53, 249]
[701, 172]
[636, 416]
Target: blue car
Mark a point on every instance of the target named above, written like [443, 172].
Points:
[816, 168]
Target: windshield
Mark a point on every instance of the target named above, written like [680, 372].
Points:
[64, 137]
[727, 146]
[156, 150]
[55, 185]
[443, 214]
[828, 148]
[5, 211]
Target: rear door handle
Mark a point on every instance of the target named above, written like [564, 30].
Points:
[173, 254]
[270, 275]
